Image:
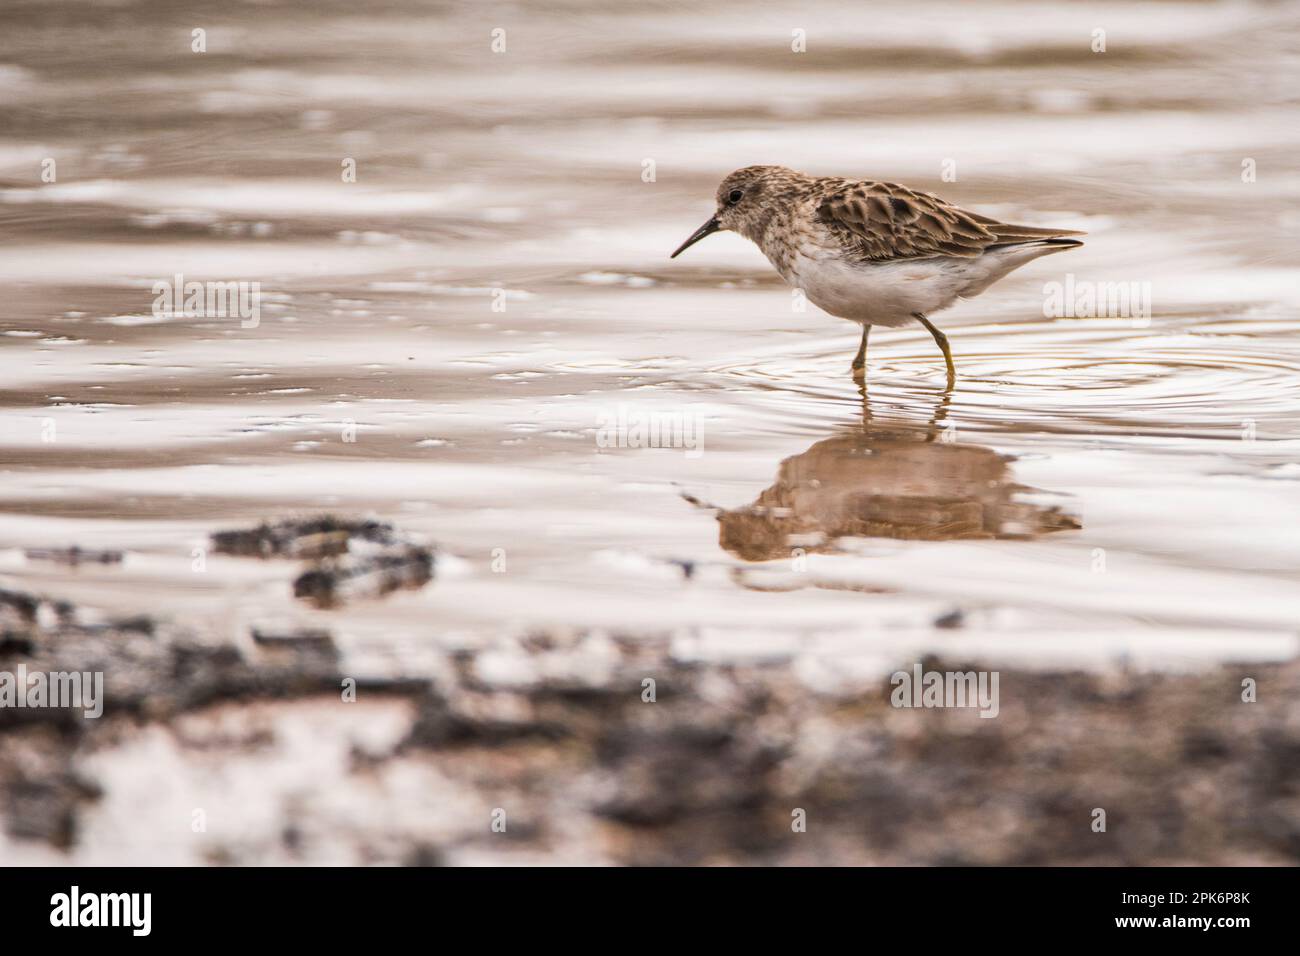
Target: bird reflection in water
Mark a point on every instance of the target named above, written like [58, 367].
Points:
[886, 479]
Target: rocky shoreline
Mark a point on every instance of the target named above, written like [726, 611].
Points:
[604, 748]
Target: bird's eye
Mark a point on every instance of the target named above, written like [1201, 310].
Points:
[734, 197]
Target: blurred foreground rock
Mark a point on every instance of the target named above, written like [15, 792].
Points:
[592, 748]
[150, 672]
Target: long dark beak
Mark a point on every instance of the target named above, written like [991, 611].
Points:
[708, 229]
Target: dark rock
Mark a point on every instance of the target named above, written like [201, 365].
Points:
[954, 619]
[347, 559]
[74, 556]
[309, 637]
[374, 575]
[302, 538]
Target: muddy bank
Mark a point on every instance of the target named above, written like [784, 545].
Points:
[591, 747]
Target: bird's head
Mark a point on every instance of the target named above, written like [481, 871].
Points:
[745, 200]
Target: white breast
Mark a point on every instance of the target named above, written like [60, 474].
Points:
[881, 293]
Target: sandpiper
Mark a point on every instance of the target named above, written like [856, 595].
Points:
[874, 253]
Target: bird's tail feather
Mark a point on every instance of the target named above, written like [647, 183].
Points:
[1059, 244]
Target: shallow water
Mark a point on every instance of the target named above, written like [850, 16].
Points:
[1093, 488]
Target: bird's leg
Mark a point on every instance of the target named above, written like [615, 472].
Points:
[860, 360]
[942, 340]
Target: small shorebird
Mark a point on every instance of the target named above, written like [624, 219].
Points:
[873, 253]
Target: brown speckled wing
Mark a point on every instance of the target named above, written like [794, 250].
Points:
[889, 221]
[882, 221]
